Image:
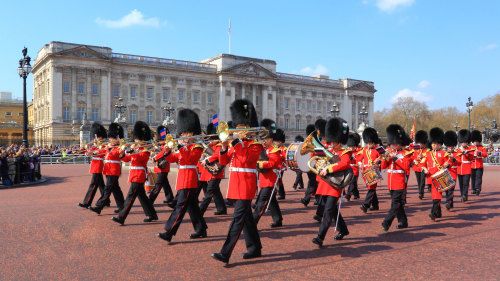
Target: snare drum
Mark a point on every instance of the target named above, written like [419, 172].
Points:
[295, 160]
[372, 175]
[443, 180]
[150, 181]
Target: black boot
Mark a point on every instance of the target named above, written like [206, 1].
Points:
[363, 208]
[402, 225]
[165, 236]
[151, 218]
[95, 210]
[253, 255]
[118, 220]
[85, 206]
[318, 241]
[220, 257]
[276, 224]
[340, 235]
[196, 235]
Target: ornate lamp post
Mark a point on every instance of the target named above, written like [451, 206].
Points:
[469, 104]
[335, 110]
[23, 70]
[121, 119]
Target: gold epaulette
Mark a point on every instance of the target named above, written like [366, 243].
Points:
[344, 151]
[408, 152]
[275, 149]
[255, 142]
[197, 145]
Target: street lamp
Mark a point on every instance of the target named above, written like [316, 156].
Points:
[469, 104]
[169, 121]
[363, 114]
[23, 70]
[335, 109]
[120, 108]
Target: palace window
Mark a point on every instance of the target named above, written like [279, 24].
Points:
[95, 114]
[95, 89]
[297, 124]
[257, 100]
[209, 98]
[133, 92]
[149, 93]
[166, 94]
[80, 111]
[287, 103]
[8, 113]
[180, 95]
[66, 87]
[116, 90]
[149, 117]
[66, 114]
[286, 123]
[297, 105]
[81, 87]
[133, 116]
[196, 97]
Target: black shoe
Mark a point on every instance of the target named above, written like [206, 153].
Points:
[374, 208]
[318, 241]
[317, 218]
[256, 254]
[95, 210]
[402, 226]
[108, 204]
[420, 196]
[83, 205]
[448, 207]
[340, 236]
[281, 197]
[477, 192]
[196, 235]
[363, 208]
[304, 202]
[348, 197]
[116, 211]
[276, 224]
[150, 218]
[165, 236]
[474, 191]
[118, 220]
[466, 198]
[220, 213]
[385, 227]
[433, 218]
[220, 257]
[316, 203]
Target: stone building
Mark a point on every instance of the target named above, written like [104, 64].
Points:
[11, 120]
[71, 80]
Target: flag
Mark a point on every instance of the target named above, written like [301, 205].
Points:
[163, 133]
[215, 120]
[413, 129]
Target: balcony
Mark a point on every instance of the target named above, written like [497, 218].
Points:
[151, 61]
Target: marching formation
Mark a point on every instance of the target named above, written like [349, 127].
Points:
[254, 156]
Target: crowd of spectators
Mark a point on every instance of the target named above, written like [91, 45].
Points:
[19, 164]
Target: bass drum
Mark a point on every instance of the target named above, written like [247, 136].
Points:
[295, 160]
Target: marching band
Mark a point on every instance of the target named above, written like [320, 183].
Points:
[256, 157]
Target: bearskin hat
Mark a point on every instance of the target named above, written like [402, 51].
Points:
[336, 130]
[188, 122]
[353, 139]
[279, 135]
[98, 131]
[269, 124]
[310, 129]
[421, 137]
[211, 129]
[115, 131]
[159, 130]
[397, 135]
[475, 135]
[320, 126]
[243, 112]
[436, 135]
[450, 139]
[463, 136]
[299, 139]
[142, 131]
[370, 135]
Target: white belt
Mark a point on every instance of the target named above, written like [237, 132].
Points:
[465, 161]
[181, 167]
[242, 170]
[454, 167]
[354, 165]
[395, 171]
[97, 158]
[137, 168]
[112, 161]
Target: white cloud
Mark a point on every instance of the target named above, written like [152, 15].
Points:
[489, 47]
[134, 18]
[390, 5]
[424, 84]
[314, 71]
[417, 95]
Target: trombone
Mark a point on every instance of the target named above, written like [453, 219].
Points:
[224, 133]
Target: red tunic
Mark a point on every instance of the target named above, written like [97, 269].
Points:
[242, 159]
[465, 157]
[343, 164]
[268, 178]
[138, 165]
[205, 175]
[367, 158]
[480, 152]
[435, 161]
[355, 156]
[419, 153]
[157, 157]
[397, 170]
[453, 164]
[97, 162]
[112, 162]
[187, 158]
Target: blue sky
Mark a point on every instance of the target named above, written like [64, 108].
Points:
[441, 52]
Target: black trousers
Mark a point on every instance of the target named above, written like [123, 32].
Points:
[299, 182]
[320, 209]
[371, 198]
[353, 187]
[312, 186]
[212, 191]
[449, 196]
[330, 213]
[463, 182]
[397, 208]
[261, 205]
[112, 186]
[242, 221]
[137, 190]
[96, 182]
[436, 208]
[281, 187]
[162, 182]
[477, 179]
[187, 200]
[420, 182]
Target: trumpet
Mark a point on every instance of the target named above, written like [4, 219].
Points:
[224, 133]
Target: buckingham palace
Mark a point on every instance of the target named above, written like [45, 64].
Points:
[75, 81]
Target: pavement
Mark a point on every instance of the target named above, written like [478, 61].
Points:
[45, 236]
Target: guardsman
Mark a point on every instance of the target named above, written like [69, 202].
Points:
[211, 174]
[138, 156]
[320, 126]
[268, 177]
[450, 141]
[368, 158]
[112, 170]
[434, 161]
[465, 157]
[299, 182]
[162, 168]
[396, 164]
[421, 139]
[97, 152]
[242, 158]
[312, 183]
[187, 157]
[279, 139]
[479, 154]
[353, 144]
[336, 134]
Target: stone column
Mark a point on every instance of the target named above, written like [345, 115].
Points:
[274, 104]
[74, 93]
[345, 109]
[222, 100]
[88, 95]
[56, 104]
[254, 93]
[242, 90]
[233, 91]
[106, 97]
[370, 110]
[265, 102]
